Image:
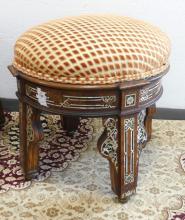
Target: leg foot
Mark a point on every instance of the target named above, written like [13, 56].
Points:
[123, 200]
[30, 135]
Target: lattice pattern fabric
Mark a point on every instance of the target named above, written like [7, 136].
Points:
[92, 50]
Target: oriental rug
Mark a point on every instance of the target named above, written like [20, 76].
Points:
[74, 182]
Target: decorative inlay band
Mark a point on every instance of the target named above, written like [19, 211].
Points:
[149, 92]
[72, 102]
[96, 102]
[129, 147]
[110, 145]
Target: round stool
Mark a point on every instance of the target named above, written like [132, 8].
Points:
[92, 66]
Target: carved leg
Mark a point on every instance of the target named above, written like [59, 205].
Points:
[2, 117]
[142, 132]
[120, 145]
[30, 135]
[70, 124]
[148, 120]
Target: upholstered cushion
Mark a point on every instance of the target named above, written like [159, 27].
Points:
[92, 50]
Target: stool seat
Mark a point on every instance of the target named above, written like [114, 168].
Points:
[92, 50]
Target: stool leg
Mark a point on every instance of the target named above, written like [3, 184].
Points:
[2, 117]
[148, 120]
[30, 135]
[119, 145]
[142, 132]
[70, 124]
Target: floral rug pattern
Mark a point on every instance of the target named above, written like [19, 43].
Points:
[82, 190]
[56, 151]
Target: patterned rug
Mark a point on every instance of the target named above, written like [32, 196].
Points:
[56, 152]
[82, 190]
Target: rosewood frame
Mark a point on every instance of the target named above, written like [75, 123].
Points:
[122, 105]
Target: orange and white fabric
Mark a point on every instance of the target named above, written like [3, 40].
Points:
[92, 50]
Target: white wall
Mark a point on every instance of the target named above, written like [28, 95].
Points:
[16, 16]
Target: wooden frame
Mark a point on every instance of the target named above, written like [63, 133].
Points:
[126, 108]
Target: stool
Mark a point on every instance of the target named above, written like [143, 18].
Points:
[92, 66]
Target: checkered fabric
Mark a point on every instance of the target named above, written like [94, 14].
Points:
[92, 50]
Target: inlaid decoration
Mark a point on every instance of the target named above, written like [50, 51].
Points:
[129, 147]
[29, 128]
[128, 193]
[71, 101]
[142, 134]
[38, 95]
[83, 102]
[41, 97]
[130, 100]
[110, 145]
[149, 92]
